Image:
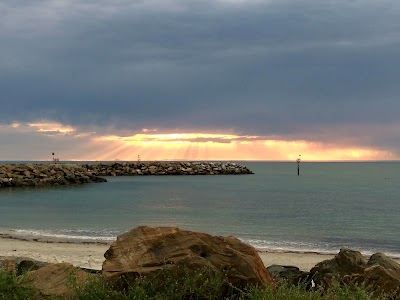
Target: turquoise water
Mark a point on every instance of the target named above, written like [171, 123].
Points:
[329, 206]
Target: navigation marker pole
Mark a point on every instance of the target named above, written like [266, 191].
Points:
[298, 165]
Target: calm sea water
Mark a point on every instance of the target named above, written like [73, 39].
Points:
[329, 206]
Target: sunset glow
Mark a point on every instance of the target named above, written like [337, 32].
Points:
[152, 145]
[198, 146]
[181, 137]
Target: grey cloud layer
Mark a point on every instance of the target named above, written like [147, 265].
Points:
[272, 68]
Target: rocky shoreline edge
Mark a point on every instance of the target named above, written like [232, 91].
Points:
[31, 175]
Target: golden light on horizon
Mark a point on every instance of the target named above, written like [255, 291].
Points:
[151, 145]
[175, 137]
[198, 146]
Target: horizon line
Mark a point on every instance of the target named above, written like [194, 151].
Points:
[205, 160]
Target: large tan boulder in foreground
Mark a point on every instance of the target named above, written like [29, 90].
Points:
[146, 251]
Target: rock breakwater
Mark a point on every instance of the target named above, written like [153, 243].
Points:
[19, 175]
[166, 168]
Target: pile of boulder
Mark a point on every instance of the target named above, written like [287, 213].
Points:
[166, 168]
[147, 251]
[19, 175]
[379, 273]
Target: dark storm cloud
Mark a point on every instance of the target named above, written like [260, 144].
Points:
[290, 69]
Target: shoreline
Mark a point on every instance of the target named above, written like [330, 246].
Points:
[55, 239]
[90, 255]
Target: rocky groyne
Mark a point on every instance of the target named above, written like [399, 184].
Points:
[19, 175]
[166, 168]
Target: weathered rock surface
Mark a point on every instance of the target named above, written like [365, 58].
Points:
[19, 175]
[344, 263]
[147, 251]
[56, 279]
[166, 168]
[382, 260]
[380, 273]
[19, 265]
[289, 274]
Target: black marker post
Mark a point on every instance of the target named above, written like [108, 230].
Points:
[298, 165]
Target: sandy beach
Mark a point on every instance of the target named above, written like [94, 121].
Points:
[85, 255]
[91, 255]
[304, 261]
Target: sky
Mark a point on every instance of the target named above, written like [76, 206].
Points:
[200, 80]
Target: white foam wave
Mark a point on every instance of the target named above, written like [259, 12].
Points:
[60, 235]
[304, 247]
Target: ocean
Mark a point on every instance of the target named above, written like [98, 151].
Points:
[328, 207]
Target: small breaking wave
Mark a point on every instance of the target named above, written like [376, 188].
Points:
[108, 236]
[317, 248]
[61, 235]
